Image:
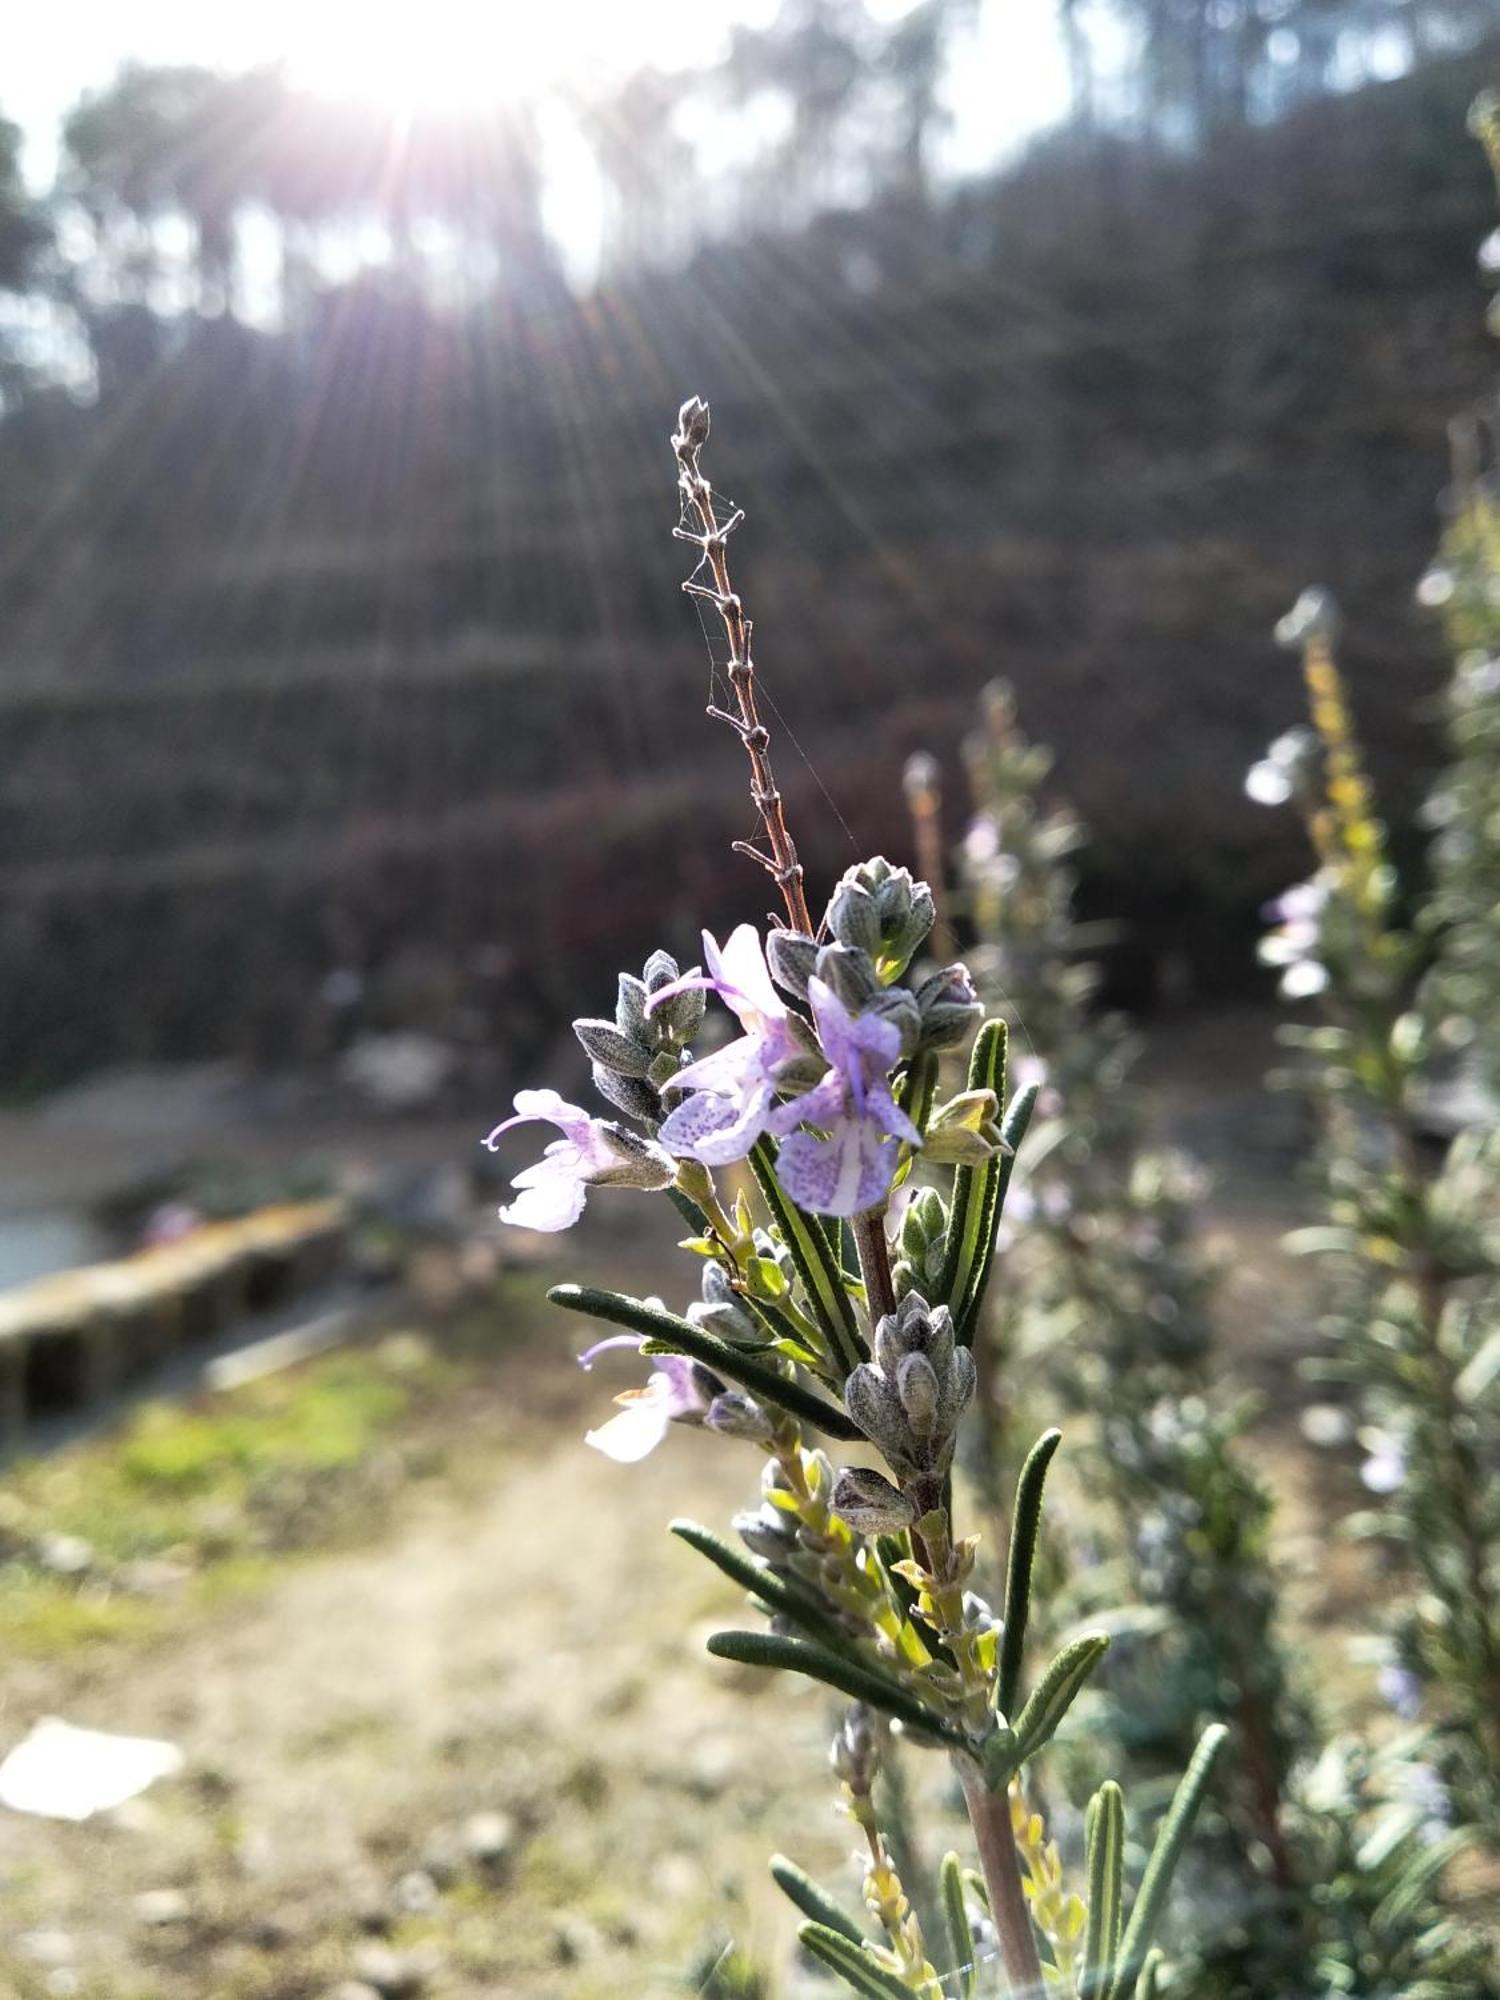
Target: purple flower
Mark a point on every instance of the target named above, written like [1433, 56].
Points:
[849, 1169]
[1295, 943]
[1384, 1469]
[591, 1153]
[1401, 1690]
[732, 1091]
[677, 1390]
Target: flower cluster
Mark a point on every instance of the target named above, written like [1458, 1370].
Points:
[806, 1330]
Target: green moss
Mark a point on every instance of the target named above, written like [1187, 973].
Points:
[221, 1486]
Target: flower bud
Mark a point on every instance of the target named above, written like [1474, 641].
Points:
[949, 1007]
[925, 1223]
[903, 912]
[692, 424]
[767, 1534]
[965, 1132]
[853, 918]
[603, 1044]
[632, 1161]
[630, 1006]
[850, 973]
[793, 959]
[917, 1387]
[899, 1007]
[870, 1503]
[627, 1094]
[855, 1752]
[736, 1415]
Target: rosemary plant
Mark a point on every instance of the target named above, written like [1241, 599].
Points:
[1409, 1240]
[800, 1346]
[1327, 1870]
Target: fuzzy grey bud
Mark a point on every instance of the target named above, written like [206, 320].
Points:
[793, 959]
[872, 1402]
[850, 973]
[660, 971]
[853, 918]
[949, 1007]
[605, 1045]
[692, 424]
[632, 1162]
[855, 1751]
[736, 1415]
[630, 1007]
[869, 1502]
[721, 1311]
[925, 1223]
[627, 1094]
[881, 910]
[677, 1020]
[899, 1007]
[909, 1399]
[917, 1387]
[767, 1534]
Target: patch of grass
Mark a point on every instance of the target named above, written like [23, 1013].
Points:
[210, 1491]
[43, 1616]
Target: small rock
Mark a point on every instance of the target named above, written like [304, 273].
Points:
[271, 1933]
[575, 1939]
[415, 1894]
[159, 1907]
[47, 1947]
[395, 1974]
[489, 1838]
[65, 1555]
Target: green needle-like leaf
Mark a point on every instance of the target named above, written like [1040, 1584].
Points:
[811, 1900]
[1105, 1832]
[956, 1921]
[860, 1683]
[1055, 1693]
[1171, 1839]
[777, 1593]
[972, 1185]
[1025, 1526]
[997, 1173]
[682, 1337]
[817, 1265]
[852, 1963]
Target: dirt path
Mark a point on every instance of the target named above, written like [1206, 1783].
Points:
[526, 1643]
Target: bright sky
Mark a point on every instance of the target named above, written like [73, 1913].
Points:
[1010, 83]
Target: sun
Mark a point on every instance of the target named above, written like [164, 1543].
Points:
[444, 56]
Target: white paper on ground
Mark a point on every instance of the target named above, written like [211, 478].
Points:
[62, 1772]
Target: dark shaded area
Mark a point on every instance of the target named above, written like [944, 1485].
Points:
[361, 645]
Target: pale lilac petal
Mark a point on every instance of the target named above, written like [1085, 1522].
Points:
[742, 970]
[633, 1432]
[727, 1070]
[548, 1202]
[715, 1130]
[881, 1105]
[822, 1105]
[843, 1174]
[634, 1341]
[546, 1105]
